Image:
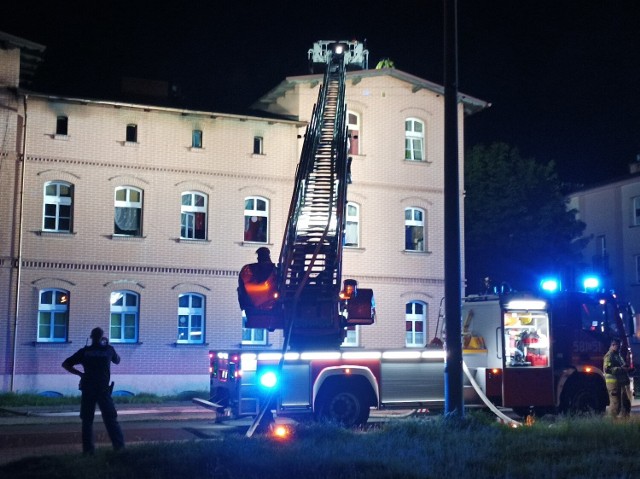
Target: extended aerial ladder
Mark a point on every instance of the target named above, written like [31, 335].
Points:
[306, 296]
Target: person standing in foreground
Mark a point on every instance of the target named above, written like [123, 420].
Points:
[616, 375]
[96, 362]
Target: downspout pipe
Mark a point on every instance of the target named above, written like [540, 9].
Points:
[23, 155]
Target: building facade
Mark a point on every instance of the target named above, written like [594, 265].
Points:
[611, 212]
[137, 218]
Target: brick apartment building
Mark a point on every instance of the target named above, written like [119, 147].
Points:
[137, 218]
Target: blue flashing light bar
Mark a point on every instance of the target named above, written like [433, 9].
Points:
[591, 283]
[550, 285]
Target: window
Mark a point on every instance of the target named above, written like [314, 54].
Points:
[258, 145]
[191, 318]
[128, 211]
[256, 219]
[62, 126]
[353, 130]
[58, 202]
[414, 229]
[53, 316]
[352, 337]
[636, 211]
[416, 324]
[196, 139]
[352, 230]
[193, 216]
[124, 317]
[414, 139]
[132, 133]
[252, 335]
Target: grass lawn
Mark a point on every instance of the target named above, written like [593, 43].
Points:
[473, 447]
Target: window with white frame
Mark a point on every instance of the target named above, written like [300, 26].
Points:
[414, 228]
[191, 318]
[132, 133]
[193, 221]
[128, 211]
[352, 337]
[636, 211]
[258, 145]
[57, 208]
[62, 125]
[414, 139]
[352, 229]
[196, 139]
[125, 311]
[254, 336]
[415, 324]
[353, 130]
[256, 219]
[53, 315]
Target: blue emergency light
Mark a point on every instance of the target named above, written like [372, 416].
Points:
[550, 285]
[591, 283]
[269, 379]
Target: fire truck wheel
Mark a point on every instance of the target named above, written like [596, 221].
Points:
[344, 406]
[583, 396]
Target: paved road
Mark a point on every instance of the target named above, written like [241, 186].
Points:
[38, 432]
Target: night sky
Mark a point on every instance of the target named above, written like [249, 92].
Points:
[563, 76]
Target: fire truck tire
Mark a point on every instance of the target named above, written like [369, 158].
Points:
[343, 405]
[584, 396]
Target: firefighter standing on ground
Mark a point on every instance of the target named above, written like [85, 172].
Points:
[96, 362]
[617, 378]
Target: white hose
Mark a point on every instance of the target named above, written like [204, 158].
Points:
[485, 399]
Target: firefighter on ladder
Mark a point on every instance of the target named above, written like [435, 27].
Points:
[618, 383]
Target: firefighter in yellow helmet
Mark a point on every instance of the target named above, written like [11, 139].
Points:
[616, 374]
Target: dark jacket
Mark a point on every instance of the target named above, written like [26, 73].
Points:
[96, 361]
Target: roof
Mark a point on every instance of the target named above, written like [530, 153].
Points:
[471, 105]
[30, 55]
[183, 111]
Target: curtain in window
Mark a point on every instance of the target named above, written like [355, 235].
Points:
[127, 219]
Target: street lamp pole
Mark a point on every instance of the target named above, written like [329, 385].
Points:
[452, 263]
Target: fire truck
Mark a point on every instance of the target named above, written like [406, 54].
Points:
[520, 351]
[538, 354]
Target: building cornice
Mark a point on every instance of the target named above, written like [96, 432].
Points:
[471, 104]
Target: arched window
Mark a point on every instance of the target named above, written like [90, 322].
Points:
[352, 338]
[191, 317]
[252, 335]
[125, 310]
[256, 219]
[414, 229]
[58, 207]
[352, 229]
[415, 324]
[414, 139]
[128, 211]
[53, 315]
[353, 129]
[193, 222]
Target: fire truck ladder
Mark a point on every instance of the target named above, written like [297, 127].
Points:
[311, 256]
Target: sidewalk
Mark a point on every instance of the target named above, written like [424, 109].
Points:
[126, 412]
